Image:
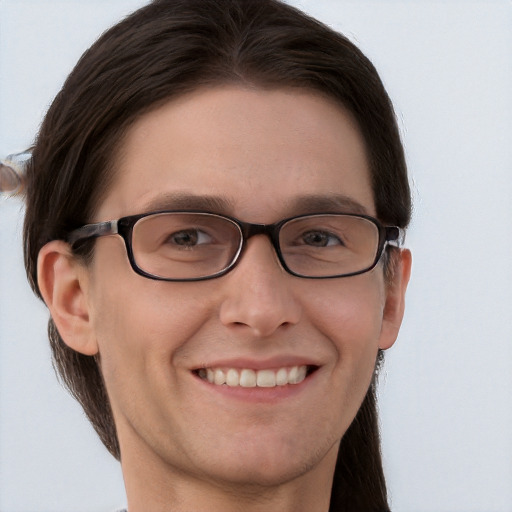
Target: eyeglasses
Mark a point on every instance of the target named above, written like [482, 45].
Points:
[192, 246]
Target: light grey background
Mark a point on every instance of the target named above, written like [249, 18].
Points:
[446, 393]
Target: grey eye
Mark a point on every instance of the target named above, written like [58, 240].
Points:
[320, 239]
[189, 238]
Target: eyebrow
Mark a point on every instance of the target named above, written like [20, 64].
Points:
[330, 203]
[184, 201]
[308, 203]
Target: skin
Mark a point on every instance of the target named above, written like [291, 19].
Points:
[185, 443]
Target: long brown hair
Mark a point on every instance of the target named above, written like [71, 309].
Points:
[161, 51]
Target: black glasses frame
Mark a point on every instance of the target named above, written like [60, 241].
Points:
[388, 235]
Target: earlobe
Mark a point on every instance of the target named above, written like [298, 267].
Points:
[62, 281]
[395, 297]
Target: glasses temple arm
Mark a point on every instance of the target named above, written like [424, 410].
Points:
[395, 236]
[93, 231]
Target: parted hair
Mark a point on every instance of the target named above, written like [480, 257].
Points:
[164, 50]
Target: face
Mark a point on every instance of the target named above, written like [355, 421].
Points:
[259, 156]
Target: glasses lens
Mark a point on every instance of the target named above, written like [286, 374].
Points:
[329, 245]
[185, 245]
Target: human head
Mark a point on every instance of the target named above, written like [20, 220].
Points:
[161, 52]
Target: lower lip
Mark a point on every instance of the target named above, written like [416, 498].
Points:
[258, 394]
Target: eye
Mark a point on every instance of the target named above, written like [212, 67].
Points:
[189, 238]
[320, 239]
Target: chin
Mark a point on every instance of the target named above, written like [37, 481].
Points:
[261, 475]
[269, 465]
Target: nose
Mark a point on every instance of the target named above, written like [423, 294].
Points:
[258, 293]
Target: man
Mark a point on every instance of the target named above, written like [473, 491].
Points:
[221, 268]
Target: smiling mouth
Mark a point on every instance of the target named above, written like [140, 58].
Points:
[248, 378]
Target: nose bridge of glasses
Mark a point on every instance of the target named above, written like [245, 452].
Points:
[249, 230]
[270, 230]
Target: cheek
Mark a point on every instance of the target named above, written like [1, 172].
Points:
[350, 307]
[349, 312]
[138, 340]
[148, 322]
[138, 322]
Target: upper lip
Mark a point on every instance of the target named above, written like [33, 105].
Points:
[259, 364]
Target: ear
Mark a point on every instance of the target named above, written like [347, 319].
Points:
[63, 284]
[396, 285]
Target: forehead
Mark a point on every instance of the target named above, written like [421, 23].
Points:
[261, 152]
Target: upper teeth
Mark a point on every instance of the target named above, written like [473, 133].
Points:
[248, 378]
